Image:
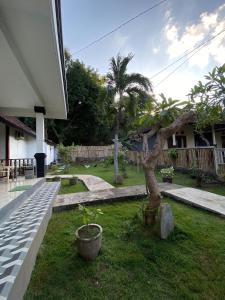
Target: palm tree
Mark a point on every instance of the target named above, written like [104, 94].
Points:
[121, 84]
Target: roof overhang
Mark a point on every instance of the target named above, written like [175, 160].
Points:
[32, 69]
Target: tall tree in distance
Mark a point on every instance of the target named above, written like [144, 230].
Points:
[121, 85]
[88, 120]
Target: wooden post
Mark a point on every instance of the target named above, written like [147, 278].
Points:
[138, 162]
[215, 160]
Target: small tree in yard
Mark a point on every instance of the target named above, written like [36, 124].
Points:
[166, 118]
[121, 85]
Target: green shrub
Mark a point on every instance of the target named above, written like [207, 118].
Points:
[64, 153]
[173, 154]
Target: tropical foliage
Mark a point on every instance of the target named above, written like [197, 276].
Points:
[129, 91]
[209, 98]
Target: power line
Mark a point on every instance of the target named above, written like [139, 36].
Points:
[119, 27]
[198, 48]
[186, 53]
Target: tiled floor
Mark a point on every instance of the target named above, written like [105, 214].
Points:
[6, 196]
[20, 237]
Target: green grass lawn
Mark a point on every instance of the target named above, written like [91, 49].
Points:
[136, 176]
[66, 188]
[189, 265]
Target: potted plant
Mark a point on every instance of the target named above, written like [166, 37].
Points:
[173, 155]
[167, 174]
[89, 236]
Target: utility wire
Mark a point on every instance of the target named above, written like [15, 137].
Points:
[119, 27]
[196, 49]
[186, 53]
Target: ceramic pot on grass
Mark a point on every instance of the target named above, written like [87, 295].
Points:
[89, 240]
[167, 179]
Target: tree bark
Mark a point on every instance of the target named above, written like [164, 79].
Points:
[150, 161]
[116, 165]
[116, 140]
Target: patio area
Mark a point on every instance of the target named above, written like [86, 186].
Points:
[14, 192]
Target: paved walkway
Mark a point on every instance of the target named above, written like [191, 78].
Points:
[20, 237]
[101, 191]
[93, 183]
[198, 198]
[69, 201]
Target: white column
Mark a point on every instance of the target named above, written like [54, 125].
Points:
[174, 139]
[213, 136]
[40, 132]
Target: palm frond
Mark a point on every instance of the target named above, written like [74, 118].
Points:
[138, 79]
[123, 62]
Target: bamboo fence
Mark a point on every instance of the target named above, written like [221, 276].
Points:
[187, 158]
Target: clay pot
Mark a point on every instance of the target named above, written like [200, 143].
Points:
[89, 241]
[167, 179]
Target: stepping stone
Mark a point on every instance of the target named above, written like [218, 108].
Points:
[166, 221]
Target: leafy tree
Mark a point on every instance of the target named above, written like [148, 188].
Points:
[210, 98]
[168, 116]
[88, 121]
[120, 84]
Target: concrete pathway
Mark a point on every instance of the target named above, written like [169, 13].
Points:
[101, 191]
[198, 198]
[93, 183]
[68, 201]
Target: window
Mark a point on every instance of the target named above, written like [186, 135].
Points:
[223, 141]
[19, 135]
[181, 142]
[201, 142]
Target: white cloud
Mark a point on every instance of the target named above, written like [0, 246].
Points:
[167, 14]
[156, 50]
[178, 86]
[209, 24]
[120, 43]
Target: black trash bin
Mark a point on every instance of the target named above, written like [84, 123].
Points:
[40, 164]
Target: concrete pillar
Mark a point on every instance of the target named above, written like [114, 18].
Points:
[40, 133]
[214, 136]
[174, 139]
[40, 144]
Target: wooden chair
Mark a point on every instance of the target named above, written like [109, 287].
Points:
[4, 171]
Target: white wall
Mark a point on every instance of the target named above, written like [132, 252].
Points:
[17, 148]
[50, 152]
[27, 147]
[188, 132]
[2, 141]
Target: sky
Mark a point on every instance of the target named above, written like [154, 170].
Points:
[156, 39]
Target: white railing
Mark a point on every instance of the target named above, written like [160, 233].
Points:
[219, 160]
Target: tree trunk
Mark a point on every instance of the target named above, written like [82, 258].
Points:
[150, 161]
[116, 148]
[116, 140]
[154, 195]
[116, 165]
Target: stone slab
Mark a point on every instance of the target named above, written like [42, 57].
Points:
[195, 197]
[69, 201]
[166, 221]
[198, 198]
[93, 183]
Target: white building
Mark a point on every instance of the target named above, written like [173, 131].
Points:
[18, 141]
[32, 73]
